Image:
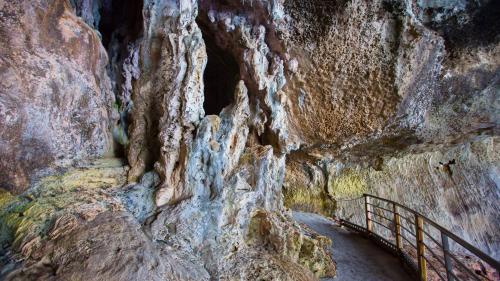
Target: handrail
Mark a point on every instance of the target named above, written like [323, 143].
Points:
[420, 222]
[457, 239]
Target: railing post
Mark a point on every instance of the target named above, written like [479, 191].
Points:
[397, 226]
[368, 209]
[446, 253]
[422, 266]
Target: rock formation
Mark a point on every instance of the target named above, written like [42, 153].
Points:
[56, 101]
[212, 107]
[391, 90]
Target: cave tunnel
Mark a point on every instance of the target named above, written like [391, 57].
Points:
[122, 19]
[120, 25]
[221, 75]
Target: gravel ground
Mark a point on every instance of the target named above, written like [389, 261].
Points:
[357, 258]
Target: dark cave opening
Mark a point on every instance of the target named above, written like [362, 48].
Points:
[221, 75]
[482, 29]
[120, 25]
[120, 21]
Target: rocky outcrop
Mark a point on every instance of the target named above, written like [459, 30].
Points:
[76, 225]
[455, 187]
[306, 186]
[396, 75]
[217, 105]
[86, 220]
[384, 92]
[213, 202]
[217, 171]
[55, 98]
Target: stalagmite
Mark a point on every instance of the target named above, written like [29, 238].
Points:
[170, 140]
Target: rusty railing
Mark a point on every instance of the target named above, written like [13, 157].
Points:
[424, 246]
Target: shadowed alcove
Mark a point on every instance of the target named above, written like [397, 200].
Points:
[122, 19]
[220, 77]
[121, 25]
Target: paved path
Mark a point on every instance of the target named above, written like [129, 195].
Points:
[357, 258]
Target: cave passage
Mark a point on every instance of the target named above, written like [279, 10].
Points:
[120, 25]
[121, 19]
[220, 77]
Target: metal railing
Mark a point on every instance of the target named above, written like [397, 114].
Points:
[410, 236]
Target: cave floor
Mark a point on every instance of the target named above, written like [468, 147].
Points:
[357, 258]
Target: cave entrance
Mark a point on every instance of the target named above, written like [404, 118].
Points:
[120, 25]
[221, 75]
[121, 22]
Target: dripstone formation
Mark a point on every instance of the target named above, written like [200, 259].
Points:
[168, 140]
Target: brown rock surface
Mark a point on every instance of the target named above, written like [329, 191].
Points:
[217, 105]
[215, 172]
[345, 86]
[55, 103]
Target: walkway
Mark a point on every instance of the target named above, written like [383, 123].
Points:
[358, 259]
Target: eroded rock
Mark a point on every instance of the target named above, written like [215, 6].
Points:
[55, 99]
[75, 225]
[330, 100]
[381, 87]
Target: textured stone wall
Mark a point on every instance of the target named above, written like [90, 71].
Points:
[347, 52]
[384, 91]
[462, 196]
[382, 70]
[217, 179]
[221, 179]
[55, 99]
[331, 99]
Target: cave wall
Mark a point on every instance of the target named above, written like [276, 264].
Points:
[345, 85]
[383, 92]
[55, 98]
[463, 197]
[203, 189]
[220, 185]
[326, 99]
[387, 69]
